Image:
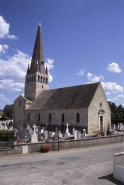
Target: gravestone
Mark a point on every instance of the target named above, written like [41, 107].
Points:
[73, 130]
[25, 149]
[46, 134]
[28, 127]
[22, 134]
[75, 134]
[30, 131]
[34, 136]
[79, 135]
[84, 132]
[67, 129]
[60, 134]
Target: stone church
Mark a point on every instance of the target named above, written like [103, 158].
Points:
[83, 106]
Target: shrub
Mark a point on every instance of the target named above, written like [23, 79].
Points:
[7, 135]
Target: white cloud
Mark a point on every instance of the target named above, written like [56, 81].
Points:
[11, 85]
[119, 97]
[109, 100]
[3, 48]
[81, 72]
[15, 67]
[112, 87]
[3, 98]
[94, 78]
[114, 67]
[4, 29]
[50, 65]
[107, 93]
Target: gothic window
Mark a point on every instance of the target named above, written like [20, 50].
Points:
[39, 117]
[78, 117]
[49, 117]
[27, 79]
[28, 116]
[100, 104]
[19, 103]
[63, 117]
[34, 78]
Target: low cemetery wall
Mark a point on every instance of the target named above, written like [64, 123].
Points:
[68, 144]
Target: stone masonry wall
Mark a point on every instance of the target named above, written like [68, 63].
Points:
[93, 117]
[56, 116]
[18, 112]
[80, 143]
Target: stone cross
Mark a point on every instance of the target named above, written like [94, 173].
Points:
[67, 130]
[34, 127]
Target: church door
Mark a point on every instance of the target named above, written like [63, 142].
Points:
[101, 122]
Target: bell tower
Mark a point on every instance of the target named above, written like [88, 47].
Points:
[36, 79]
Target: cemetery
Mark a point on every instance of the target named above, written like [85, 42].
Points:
[31, 139]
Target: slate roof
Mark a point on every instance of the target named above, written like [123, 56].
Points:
[65, 98]
[38, 55]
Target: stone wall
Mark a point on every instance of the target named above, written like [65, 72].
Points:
[80, 143]
[56, 116]
[94, 108]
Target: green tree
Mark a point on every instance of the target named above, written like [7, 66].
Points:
[8, 111]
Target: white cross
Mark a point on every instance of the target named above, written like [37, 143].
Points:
[34, 127]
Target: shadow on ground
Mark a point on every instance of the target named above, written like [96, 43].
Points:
[111, 179]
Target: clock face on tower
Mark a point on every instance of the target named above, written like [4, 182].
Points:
[29, 86]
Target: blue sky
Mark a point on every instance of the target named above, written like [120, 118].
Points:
[83, 42]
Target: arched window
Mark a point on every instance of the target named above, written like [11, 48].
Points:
[49, 117]
[100, 104]
[63, 117]
[41, 78]
[78, 117]
[27, 79]
[32, 78]
[38, 116]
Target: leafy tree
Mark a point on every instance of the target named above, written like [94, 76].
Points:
[117, 112]
[8, 111]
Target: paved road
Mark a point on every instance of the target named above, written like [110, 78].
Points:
[83, 166]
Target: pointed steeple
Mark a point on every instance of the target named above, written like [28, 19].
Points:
[28, 69]
[38, 52]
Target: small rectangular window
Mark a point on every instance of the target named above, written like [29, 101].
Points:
[19, 103]
[78, 117]
[63, 118]
[28, 116]
[49, 117]
[38, 117]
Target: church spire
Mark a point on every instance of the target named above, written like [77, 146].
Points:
[37, 53]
